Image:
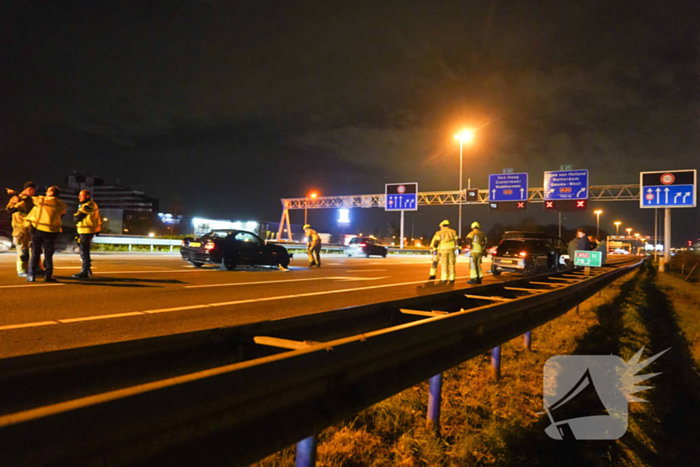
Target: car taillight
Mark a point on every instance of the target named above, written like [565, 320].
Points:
[209, 246]
[363, 244]
[522, 254]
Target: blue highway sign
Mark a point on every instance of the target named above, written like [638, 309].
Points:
[401, 197]
[669, 189]
[508, 187]
[566, 184]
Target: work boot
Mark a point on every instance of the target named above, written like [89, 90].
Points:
[89, 272]
[312, 265]
[452, 281]
[81, 275]
[22, 274]
[31, 279]
[478, 281]
[50, 279]
[472, 281]
[431, 278]
[443, 282]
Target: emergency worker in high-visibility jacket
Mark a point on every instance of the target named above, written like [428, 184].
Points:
[444, 243]
[478, 245]
[45, 222]
[19, 206]
[89, 223]
[313, 246]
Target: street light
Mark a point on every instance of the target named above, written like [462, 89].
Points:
[313, 195]
[597, 212]
[617, 228]
[464, 136]
[629, 232]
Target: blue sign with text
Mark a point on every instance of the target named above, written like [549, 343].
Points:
[669, 189]
[566, 184]
[508, 187]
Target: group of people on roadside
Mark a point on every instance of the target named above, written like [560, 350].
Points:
[443, 247]
[36, 223]
[583, 242]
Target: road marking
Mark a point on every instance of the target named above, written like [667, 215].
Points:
[364, 270]
[154, 272]
[27, 325]
[208, 305]
[92, 318]
[71, 267]
[283, 280]
[28, 285]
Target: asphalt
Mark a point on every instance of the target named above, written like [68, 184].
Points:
[138, 295]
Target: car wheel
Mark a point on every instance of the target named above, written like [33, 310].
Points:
[367, 255]
[530, 269]
[384, 254]
[495, 271]
[349, 255]
[228, 264]
[284, 263]
[196, 264]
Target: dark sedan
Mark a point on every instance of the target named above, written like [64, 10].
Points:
[365, 246]
[525, 255]
[231, 248]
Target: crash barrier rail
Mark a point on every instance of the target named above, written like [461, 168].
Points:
[133, 240]
[238, 394]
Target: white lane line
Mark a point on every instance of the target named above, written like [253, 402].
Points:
[208, 305]
[231, 284]
[92, 318]
[27, 325]
[29, 285]
[364, 270]
[71, 267]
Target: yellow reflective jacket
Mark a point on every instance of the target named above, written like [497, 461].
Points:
[444, 240]
[90, 221]
[478, 240]
[46, 214]
[19, 205]
[312, 239]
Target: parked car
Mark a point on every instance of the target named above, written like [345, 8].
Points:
[524, 255]
[366, 246]
[5, 243]
[232, 248]
[557, 243]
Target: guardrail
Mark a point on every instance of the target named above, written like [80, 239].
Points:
[134, 240]
[258, 398]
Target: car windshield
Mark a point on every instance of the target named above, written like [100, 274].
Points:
[246, 237]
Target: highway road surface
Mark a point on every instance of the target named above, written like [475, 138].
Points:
[138, 295]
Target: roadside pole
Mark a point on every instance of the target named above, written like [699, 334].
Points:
[665, 264]
[402, 211]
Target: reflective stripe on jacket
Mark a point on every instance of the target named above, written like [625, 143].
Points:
[92, 222]
[444, 240]
[46, 214]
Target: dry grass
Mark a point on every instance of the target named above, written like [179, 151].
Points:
[489, 423]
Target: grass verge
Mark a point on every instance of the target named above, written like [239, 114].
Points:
[489, 423]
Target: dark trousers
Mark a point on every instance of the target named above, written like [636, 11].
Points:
[46, 242]
[85, 242]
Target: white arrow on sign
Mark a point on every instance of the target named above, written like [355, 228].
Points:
[550, 191]
[521, 192]
[494, 194]
[651, 192]
[582, 190]
[658, 196]
[686, 194]
[675, 198]
[666, 190]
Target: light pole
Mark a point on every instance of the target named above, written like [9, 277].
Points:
[629, 232]
[597, 212]
[463, 136]
[617, 228]
[313, 195]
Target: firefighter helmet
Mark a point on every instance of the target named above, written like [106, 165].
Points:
[475, 225]
[445, 223]
[306, 226]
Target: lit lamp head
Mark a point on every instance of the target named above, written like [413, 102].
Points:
[465, 136]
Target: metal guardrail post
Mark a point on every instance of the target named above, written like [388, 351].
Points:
[496, 363]
[129, 247]
[527, 337]
[434, 400]
[306, 452]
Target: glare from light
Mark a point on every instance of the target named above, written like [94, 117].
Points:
[465, 136]
[151, 234]
[343, 216]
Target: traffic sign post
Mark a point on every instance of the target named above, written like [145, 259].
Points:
[401, 197]
[566, 184]
[508, 187]
[667, 189]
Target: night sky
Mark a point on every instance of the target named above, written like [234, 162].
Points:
[224, 107]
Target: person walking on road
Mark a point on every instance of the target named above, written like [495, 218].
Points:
[45, 222]
[19, 206]
[478, 244]
[444, 242]
[580, 242]
[313, 246]
[89, 223]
